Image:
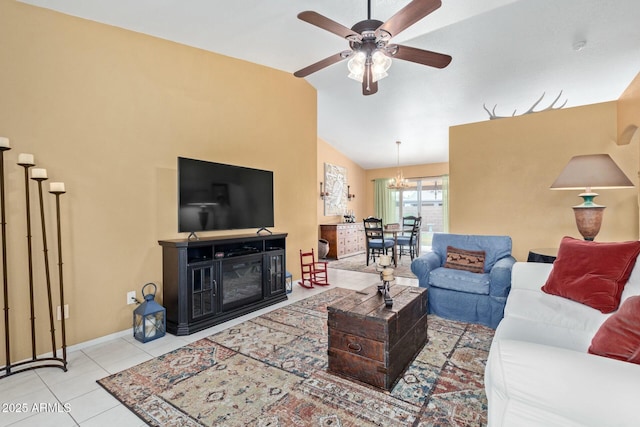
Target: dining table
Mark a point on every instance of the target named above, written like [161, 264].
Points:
[394, 229]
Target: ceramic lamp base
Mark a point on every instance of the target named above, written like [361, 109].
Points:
[588, 220]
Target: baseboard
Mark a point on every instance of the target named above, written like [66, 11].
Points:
[100, 340]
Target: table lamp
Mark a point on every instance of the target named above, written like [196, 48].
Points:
[590, 172]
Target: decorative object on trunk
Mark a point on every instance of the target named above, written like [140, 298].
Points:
[493, 116]
[386, 277]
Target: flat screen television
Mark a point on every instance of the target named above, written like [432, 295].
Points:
[216, 196]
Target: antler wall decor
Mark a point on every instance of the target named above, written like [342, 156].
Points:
[493, 116]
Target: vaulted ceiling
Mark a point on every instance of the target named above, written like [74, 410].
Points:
[505, 53]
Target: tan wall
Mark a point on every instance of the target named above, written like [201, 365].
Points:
[629, 113]
[414, 171]
[501, 171]
[355, 178]
[629, 117]
[108, 111]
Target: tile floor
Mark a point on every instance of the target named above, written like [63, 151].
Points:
[82, 402]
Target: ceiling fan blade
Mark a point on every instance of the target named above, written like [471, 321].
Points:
[325, 23]
[320, 65]
[424, 57]
[369, 87]
[407, 16]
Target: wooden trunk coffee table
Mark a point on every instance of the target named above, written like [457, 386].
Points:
[373, 343]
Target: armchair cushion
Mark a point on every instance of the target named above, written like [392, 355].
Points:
[460, 280]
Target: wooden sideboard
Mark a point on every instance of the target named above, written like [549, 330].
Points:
[345, 239]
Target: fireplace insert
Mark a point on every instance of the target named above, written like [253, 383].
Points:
[241, 281]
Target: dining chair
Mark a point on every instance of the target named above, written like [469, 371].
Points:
[376, 242]
[409, 241]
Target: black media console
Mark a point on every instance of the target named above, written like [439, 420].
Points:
[214, 279]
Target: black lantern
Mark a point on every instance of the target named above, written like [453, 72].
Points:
[149, 319]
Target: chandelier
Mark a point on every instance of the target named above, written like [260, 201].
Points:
[399, 182]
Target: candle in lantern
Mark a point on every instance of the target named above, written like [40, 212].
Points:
[26, 159]
[56, 187]
[38, 173]
[151, 328]
[4, 142]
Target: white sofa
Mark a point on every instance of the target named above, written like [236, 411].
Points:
[539, 372]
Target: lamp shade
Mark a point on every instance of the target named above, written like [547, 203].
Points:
[592, 171]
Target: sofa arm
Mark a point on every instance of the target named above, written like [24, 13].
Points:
[500, 277]
[535, 384]
[423, 265]
[530, 275]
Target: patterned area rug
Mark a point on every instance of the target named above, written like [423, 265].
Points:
[359, 263]
[272, 371]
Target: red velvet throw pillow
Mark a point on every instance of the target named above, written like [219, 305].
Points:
[619, 336]
[462, 259]
[592, 273]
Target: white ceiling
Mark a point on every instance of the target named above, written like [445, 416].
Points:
[505, 52]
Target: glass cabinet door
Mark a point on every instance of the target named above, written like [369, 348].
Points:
[203, 290]
[275, 272]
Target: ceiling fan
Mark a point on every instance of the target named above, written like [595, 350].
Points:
[370, 54]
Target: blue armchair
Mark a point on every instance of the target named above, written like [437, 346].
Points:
[464, 295]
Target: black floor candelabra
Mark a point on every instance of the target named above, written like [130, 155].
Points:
[4, 146]
[26, 161]
[38, 175]
[57, 189]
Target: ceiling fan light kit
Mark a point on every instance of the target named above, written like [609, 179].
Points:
[379, 63]
[370, 54]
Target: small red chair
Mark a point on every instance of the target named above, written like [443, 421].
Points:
[313, 272]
